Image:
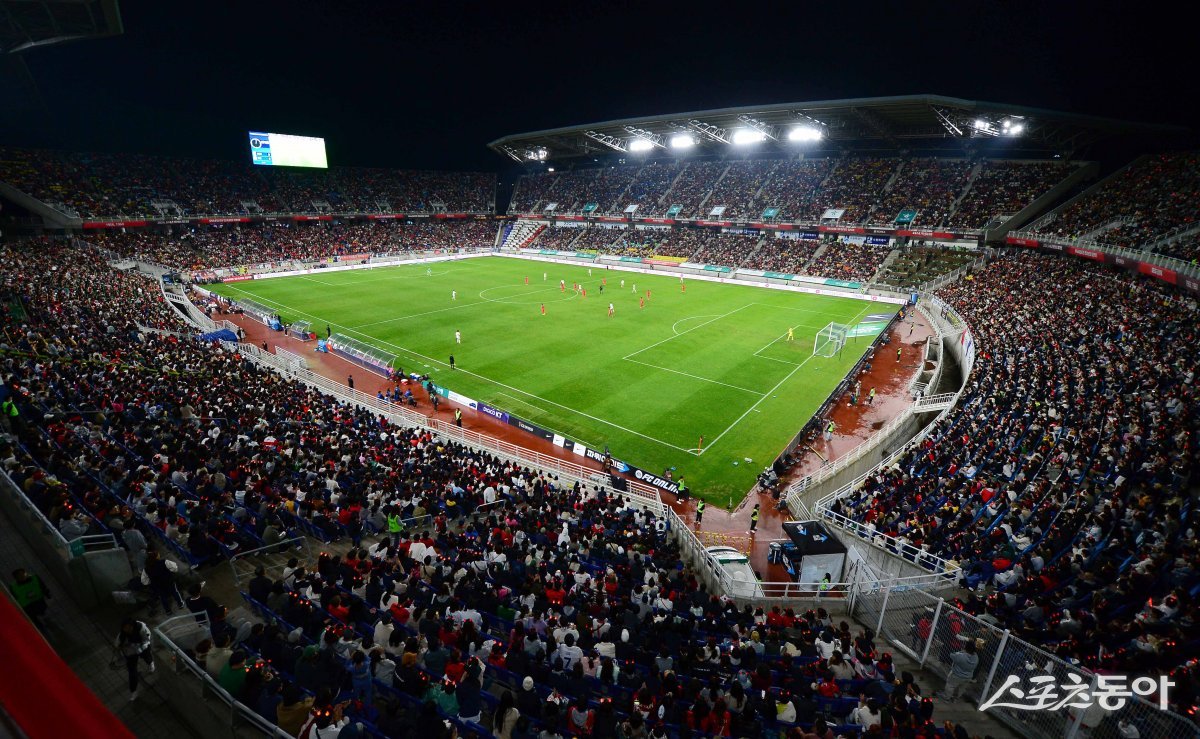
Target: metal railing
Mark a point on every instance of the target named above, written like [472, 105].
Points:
[194, 685]
[68, 548]
[1159, 260]
[929, 630]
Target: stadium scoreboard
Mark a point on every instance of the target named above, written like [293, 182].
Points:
[285, 150]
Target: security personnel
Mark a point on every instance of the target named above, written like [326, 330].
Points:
[9, 414]
[458, 417]
[754, 518]
[825, 582]
[394, 526]
[30, 594]
[699, 511]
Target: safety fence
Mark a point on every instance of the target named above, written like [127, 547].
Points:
[188, 686]
[930, 630]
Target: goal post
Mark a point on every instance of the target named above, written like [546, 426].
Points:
[830, 340]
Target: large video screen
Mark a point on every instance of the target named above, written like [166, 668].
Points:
[284, 150]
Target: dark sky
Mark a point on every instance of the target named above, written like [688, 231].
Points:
[427, 85]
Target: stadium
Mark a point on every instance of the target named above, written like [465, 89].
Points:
[867, 416]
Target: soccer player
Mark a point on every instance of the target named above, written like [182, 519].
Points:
[611, 310]
[429, 271]
[543, 309]
[562, 286]
[791, 336]
[583, 290]
[589, 271]
[623, 285]
[647, 295]
[682, 286]
[635, 288]
[601, 289]
[526, 279]
[641, 302]
[458, 337]
[543, 277]
[454, 295]
[451, 361]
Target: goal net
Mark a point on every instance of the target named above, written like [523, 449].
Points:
[830, 340]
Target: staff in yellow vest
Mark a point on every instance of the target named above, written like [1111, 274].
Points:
[754, 519]
[31, 595]
[394, 526]
[699, 512]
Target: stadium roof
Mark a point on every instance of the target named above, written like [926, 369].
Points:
[884, 122]
[25, 24]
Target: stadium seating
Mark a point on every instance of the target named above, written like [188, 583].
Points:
[224, 246]
[788, 256]
[1003, 188]
[854, 186]
[648, 187]
[841, 261]
[138, 186]
[791, 186]
[919, 265]
[928, 186]
[738, 186]
[691, 189]
[1149, 199]
[1059, 483]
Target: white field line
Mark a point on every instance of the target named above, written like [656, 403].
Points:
[712, 443]
[681, 320]
[468, 372]
[694, 377]
[681, 333]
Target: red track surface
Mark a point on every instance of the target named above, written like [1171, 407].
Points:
[855, 424]
[41, 693]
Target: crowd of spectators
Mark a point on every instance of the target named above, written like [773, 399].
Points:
[709, 246]
[223, 245]
[737, 188]
[928, 186]
[691, 188]
[788, 256]
[1187, 249]
[846, 261]
[598, 239]
[95, 185]
[854, 186]
[556, 238]
[532, 192]
[1063, 484]
[1154, 196]
[1004, 188]
[637, 243]
[558, 610]
[792, 185]
[648, 188]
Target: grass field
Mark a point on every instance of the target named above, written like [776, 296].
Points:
[713, 360]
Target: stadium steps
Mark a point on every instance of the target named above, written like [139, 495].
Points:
[758, 245]
[887, 186]
[708, 195]
[887, 262]
[665, 199]
[817, 254]
[971, 178]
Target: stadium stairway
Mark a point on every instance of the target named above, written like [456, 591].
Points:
[965, 710]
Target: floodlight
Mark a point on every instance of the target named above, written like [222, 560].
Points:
[551, 169]
[682, 141]
[744, 136]
[640, 145]
[804, 133]
[1014, 129]
[981, 125]
[538, 155]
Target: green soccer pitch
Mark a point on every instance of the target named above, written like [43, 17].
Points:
[648, 382]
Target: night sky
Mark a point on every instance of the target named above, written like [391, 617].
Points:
[428, 85]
